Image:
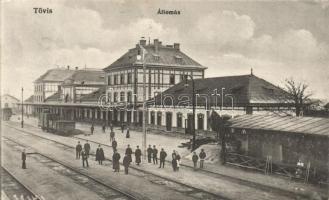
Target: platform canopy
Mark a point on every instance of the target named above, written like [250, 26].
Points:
[304, 125]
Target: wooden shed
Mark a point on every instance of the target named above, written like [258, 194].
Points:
[277, 143]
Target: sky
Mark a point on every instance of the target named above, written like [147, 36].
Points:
[277, 39]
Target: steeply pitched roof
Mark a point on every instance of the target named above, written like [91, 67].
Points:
[54, 97]
[30, 99]
[86, 77]
[245, 89]
[55, 75]
[164, 56]
[9, 96]
[94, 96]
[305, 125]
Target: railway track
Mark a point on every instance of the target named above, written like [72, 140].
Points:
[265, 188]
[103, 189]
[183, 188]
[13, 188]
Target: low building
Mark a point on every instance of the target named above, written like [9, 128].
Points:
[9, 101]
[232, 95]
[281, 142]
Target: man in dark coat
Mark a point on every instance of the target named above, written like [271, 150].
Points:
[87, 148]
[149, 153]
[174, 162]
[195, 159]
[122, 127]
[103, 128]
[112, 135]
[126, 163]
[138, 154]
[163, 156]
[23, 159]
[155, 155]
[116, 161]
[202, 156]
[92, 129]
[114, 144]
[100, 155]
[128, 133]
[129, 151]
[84, 158]
[78, 150]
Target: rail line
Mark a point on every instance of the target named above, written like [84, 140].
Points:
[259, 186]
[15, 189]
[186, 189]
[103, 189]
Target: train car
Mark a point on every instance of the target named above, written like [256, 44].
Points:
[6, 114]
[52, 123]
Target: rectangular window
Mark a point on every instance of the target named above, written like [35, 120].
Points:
[172, 79]
[129, 78]
[129, 97]
[115, 97]
[109, 80]
[122, 79]
[115, 81]
[122, 96]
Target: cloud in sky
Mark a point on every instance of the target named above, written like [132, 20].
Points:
[226, 41]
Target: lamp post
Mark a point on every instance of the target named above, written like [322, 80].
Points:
[22, 122]
[222, 98]
[142, 58]
[193, 109]
[230, 96]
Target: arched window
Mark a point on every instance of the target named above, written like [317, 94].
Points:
[179, 120]
[159, 118]
[200, 121]
[129, 97]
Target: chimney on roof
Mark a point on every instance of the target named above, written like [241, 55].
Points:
[142, 41]
[251, 71]
[176, 46]
[68, 67]
[156, 45]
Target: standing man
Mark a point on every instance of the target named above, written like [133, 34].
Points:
[126, 163]
[177, 160]
[103, 128]
[122, 127]
[163, 156]
[195, 159]
[155, 155]
[100, 155]
[114, 145]
[149, 153]
[87, 148]
[112, 135]
[174, 162]
[138, 154]
[84, 158]
[116, 161]
[78, 150]
[128, 134]
[92, 129]
[23, 159]
[202, 156]
[129, 151]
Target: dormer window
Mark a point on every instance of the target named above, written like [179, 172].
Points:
[178, 59]
[156, 57]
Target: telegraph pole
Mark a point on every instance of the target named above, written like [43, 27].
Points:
[22, 122]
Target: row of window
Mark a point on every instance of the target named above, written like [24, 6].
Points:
[179, 119]
[119, 79]
[120, 97]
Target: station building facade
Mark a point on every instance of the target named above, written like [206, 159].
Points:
[165, 66]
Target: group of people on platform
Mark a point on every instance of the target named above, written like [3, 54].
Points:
[152, 153]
